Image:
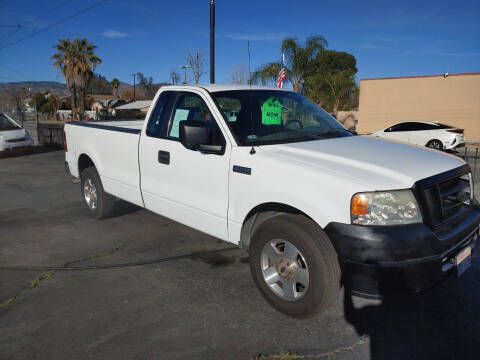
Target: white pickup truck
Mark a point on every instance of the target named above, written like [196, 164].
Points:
[316, 206]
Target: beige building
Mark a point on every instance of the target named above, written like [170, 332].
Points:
[452, 99]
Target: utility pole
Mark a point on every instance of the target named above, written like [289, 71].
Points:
[212, 41]
[134, 75]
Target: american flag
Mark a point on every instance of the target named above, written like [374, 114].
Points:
[281, 78]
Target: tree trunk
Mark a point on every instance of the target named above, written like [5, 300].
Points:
[82, 101]
[296, 86]
[73, 100]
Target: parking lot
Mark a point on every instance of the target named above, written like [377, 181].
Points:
[199, 302]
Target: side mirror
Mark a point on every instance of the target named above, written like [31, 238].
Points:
[195, 135]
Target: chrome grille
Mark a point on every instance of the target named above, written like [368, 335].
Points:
[455, 196]
[445, 198]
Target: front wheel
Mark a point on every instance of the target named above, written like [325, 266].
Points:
[294, 265]
[100, 204]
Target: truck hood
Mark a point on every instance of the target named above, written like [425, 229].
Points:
[380, 164]
[13, 134]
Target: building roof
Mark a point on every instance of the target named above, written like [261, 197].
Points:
[135, 105]
[420, 76]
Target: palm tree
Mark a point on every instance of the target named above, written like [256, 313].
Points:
[64, 60]
[77, 60]
[115, 85]
[297, 59]
[85, 62]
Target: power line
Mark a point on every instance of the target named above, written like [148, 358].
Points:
[52, 25]
[15, 71]
[20, 26]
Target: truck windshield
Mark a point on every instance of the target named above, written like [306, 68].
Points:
[262, 117]
[7, 124]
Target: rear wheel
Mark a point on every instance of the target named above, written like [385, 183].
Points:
[100, 204]
[294, 265]
[435, 144]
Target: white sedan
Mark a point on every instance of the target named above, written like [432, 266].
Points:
[430, 134]
[12, 135]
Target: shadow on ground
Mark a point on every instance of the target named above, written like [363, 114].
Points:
[442, 323]
[39, 149]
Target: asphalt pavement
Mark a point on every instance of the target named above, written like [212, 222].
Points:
[199, 302]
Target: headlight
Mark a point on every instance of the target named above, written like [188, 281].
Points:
[394, 207]
[1, 137]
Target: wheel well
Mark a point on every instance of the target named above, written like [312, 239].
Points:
[84, 161]
[261, 213]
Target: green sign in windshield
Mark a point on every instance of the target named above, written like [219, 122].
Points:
[272, 112]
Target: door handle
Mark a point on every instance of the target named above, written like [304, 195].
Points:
[164, 157]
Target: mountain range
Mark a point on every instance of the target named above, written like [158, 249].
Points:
[54, 87]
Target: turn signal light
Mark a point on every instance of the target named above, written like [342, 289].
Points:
[360, 205]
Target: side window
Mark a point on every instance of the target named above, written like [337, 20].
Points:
[421, 126]
[190, 106]
[395, 128]
[158, 122]
[401, 127]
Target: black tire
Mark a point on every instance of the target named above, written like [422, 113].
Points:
[105, 203]
[320, 257]
[435, 144]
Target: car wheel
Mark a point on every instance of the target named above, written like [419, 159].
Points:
[100, 204]
[435, 144]
[294, 265]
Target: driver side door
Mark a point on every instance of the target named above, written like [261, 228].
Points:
[180, 183]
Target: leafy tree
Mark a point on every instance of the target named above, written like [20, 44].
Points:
[98, 84]
[115, 85]
[45, 103]
[330, 81]
[297, 60]
[196, 65]
[147, 86]
[77, 60]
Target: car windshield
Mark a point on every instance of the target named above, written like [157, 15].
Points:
[7, 124]
[262, 117]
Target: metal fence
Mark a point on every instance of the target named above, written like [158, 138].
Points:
[471, 155]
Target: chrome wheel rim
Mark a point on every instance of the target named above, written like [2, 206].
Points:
[435, 145]
[90, 194]
[284, 269]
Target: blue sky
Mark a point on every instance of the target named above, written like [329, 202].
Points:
[388, 38]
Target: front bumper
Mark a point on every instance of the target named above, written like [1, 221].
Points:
[381, 260]
[7, 145]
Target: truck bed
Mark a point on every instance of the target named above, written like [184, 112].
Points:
[112, 146]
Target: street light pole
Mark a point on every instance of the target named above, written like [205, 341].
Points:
[185, 67]
[212, 41]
